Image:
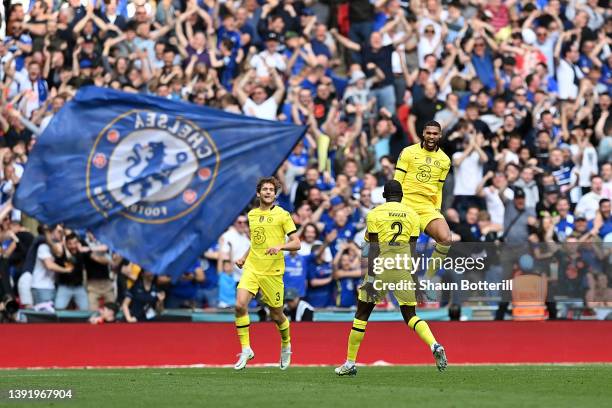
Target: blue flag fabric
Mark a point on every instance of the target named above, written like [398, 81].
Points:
[156, 180]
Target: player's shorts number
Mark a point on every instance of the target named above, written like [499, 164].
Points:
[398, 227]
[424, 174]
[258, 235]
[278, 296]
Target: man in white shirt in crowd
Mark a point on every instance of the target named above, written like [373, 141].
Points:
[495, 195]
[568, 73]
[468, 172]
[589, 203]
[45, 268]
[258, 104]
[269, 58]
[235, 242]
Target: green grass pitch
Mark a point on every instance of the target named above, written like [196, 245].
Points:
[318, 387]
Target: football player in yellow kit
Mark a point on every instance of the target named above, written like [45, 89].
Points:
[391, 230]
[422, 169]
[264, 265]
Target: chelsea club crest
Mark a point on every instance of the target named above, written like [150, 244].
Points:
[152, 166]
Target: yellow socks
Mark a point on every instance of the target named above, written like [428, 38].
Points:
[355, 338]
[422, 329]
[283, 329]
[242, 327]
[436, 260]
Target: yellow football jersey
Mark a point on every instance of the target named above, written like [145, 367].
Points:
[268, 229]
[423, 173]
[393, 222]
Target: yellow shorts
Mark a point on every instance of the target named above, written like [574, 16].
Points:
[271, 286]
[424, 208]
[406, 296]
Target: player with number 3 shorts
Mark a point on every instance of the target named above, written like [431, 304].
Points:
[264, 266]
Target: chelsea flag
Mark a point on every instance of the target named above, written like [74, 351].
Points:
[156, 180]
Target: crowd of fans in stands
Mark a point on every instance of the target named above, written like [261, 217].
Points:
[521, 88]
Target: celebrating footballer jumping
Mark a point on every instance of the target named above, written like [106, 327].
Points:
[414, 201]
[264, 265]
[422, 169]
[391, 228]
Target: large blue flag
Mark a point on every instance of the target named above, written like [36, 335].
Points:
[158, 181]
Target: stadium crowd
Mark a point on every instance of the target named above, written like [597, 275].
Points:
[521, 89]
